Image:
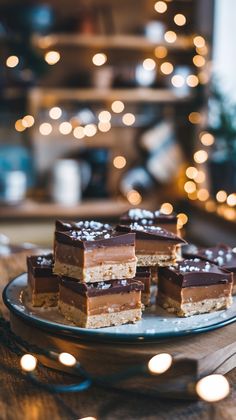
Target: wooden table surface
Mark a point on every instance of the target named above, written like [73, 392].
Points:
[20, 400]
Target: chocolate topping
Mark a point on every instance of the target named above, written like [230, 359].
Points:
[103, 287]
[147, 217]
[88, 239]
[150, 232]
[195, 272]
[221, 254]
[63, 226]
[143, 272]
[40, 265]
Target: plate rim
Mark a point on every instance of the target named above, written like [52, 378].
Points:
[98, 335]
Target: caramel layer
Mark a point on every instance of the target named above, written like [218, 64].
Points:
[93, 257]
[101, 304]
[153, 247]
[193, 294]
[43, 284]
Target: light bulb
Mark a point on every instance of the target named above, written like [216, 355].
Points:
[160, 363]
[28, 362]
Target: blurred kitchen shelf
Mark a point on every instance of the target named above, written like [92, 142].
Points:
[101, 208]
[128, 42]
[146, 95]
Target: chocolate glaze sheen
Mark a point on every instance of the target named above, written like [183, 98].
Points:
[40, 265]
[221, 254]
[150, 232]
[63, 226]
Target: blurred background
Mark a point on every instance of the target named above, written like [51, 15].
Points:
[108, 105]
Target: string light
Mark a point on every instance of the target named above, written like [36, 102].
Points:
[213, 388]
[191, 172]
[207, 139]
[203, 194]
[19, 126]
[180, 19]
[52, 57]
[160, 7]
[166, 208]
[200, 156]
[65, 127]
[104, 127]
[190, 187]
[160, 363]
[12, 61]
[28, 121]
[199, 61]
[78, 132]
[182, 219]
[177, 81]
[166, 68]
[231, 200]
[90, 130]
[119, 162]
[170, 36]
[28, 362]
[199, 41]
[193, 195]
[195, 117]
[45, 129]
[160, 51]
[202, 50]
[200, 177]
[55, 113]
[117, 106]
[134, 197]
[149, 64]
[88, 418]
[210, 206]
[221, 196]
[99, 59]
[128, 119]
[203, 77]
[67, 359]
[104, 116]
[192, 80]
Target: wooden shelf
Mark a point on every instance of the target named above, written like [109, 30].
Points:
[128, 42]
[106, 208]
[144, 95]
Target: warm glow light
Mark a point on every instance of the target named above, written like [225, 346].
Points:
[90, 130]
[203, 77]
[119, 162]
[182, 218]
[180, 19]
[88, 418]
[213, 388]
[199, 61]
[207, 139]
[190, 186]
[221, 196]
[192, 80]
[200, 156]
[231, 200]
[200, 177]
[199, 41]
[192, 196]
[166, 208]
[170, 36]
[128, 118]
[149, 64]
[203, 194]
[67, 359]
[12, 61]
[160, 363]
[55, 113]
[202, 50]
[195, 117]
[160, 7]
[210, 206]
[160, 52]
[104, 116]
[19, 126]
[167, 68]
[78, 132]
[52, 57]
[28, 362]
[177, 81]
[99, 59]
[28, 121]
[104, 127]
[191, 172]
[134, 197]
[117, 106]
[65, 127]
[45, 129]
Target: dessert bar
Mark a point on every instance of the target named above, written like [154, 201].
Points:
[221, 254]
[43, 285]
[146, 217]
[90, 255]
[143, 274]
[194, 286]
[154, 245]
[102, 304]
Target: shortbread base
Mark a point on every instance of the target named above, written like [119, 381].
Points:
[44, 299]
[155, 260]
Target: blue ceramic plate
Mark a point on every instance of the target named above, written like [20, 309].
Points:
[155, 325]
